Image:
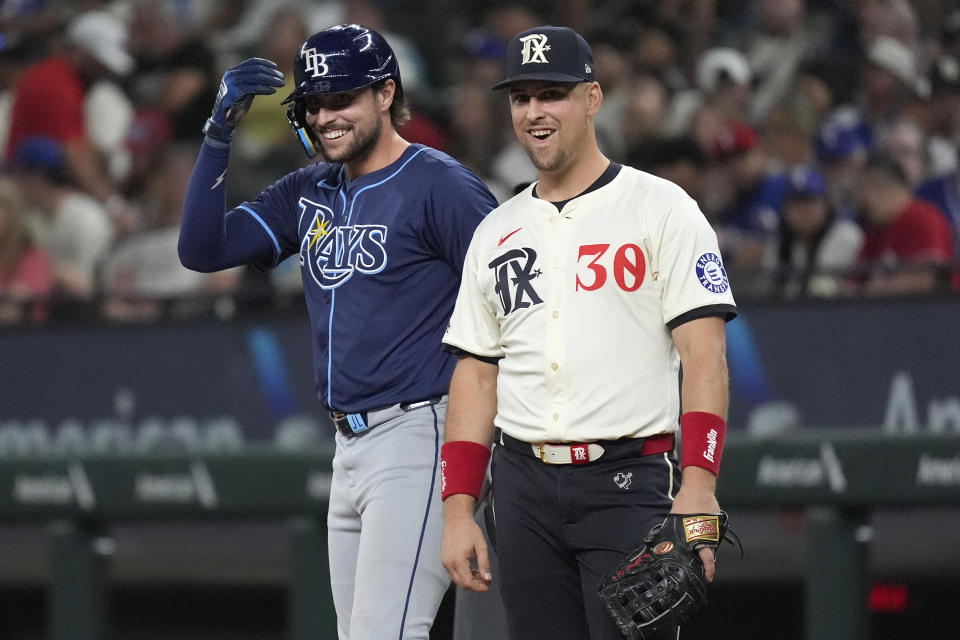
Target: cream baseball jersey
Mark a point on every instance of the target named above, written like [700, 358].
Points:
[577, 305]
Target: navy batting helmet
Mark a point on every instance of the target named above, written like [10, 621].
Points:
[341, 58]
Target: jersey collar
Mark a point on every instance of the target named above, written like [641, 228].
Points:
[378, 175]
[605, 178]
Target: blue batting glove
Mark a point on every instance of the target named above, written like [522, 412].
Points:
[252, 77]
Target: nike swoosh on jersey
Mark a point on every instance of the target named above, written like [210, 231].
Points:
[506, 237]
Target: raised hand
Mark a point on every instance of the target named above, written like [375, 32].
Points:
[252, 77]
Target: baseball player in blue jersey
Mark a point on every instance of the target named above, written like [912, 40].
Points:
[381, 229]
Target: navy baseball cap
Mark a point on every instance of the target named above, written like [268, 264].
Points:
[554, 54]
[805, 181]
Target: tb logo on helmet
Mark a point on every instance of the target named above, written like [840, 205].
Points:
[314, 63]
[535, 48]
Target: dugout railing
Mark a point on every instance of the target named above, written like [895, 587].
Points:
[837, 476]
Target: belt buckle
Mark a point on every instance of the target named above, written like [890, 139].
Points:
[341, 421]
[543, 456]
[338, 418]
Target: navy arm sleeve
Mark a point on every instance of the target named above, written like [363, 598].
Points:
[457, 203]
[211, 240]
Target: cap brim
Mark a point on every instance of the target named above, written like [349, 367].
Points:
[538, 75]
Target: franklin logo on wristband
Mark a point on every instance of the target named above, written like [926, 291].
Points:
[463, 468]
[702, 435]
[711, 445]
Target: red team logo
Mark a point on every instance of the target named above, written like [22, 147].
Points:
[578, 454]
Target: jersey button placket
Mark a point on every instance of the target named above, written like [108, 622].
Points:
[558, 233]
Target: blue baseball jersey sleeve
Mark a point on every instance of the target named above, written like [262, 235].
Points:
[381, 258]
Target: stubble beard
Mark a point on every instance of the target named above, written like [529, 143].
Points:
[555, 159]
[362, 145]
[548, 163]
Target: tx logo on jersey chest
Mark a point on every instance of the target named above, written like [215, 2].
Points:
[330, 254]
[514, 272]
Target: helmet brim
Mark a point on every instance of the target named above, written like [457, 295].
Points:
[335, 85]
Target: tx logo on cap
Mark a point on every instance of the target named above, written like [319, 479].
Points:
[535, 48]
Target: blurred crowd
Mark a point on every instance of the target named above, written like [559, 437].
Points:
[820, 137]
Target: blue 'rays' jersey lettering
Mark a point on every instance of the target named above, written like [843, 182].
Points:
[332, 254]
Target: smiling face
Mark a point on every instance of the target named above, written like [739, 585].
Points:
[348, 124]
[552, 120]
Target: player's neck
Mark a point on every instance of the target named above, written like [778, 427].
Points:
[573, 178]
[387, 150]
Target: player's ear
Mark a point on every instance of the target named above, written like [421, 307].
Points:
[385, 93]
[594, 98]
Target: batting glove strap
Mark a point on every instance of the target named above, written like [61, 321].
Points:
[219, 131]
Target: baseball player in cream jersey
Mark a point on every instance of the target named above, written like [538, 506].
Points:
[581, 298]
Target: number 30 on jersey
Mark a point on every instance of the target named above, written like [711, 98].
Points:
[597, 263]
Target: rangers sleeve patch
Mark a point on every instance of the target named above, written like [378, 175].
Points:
[711, 274]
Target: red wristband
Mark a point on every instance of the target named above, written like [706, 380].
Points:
[463, 467]
[703, 435]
